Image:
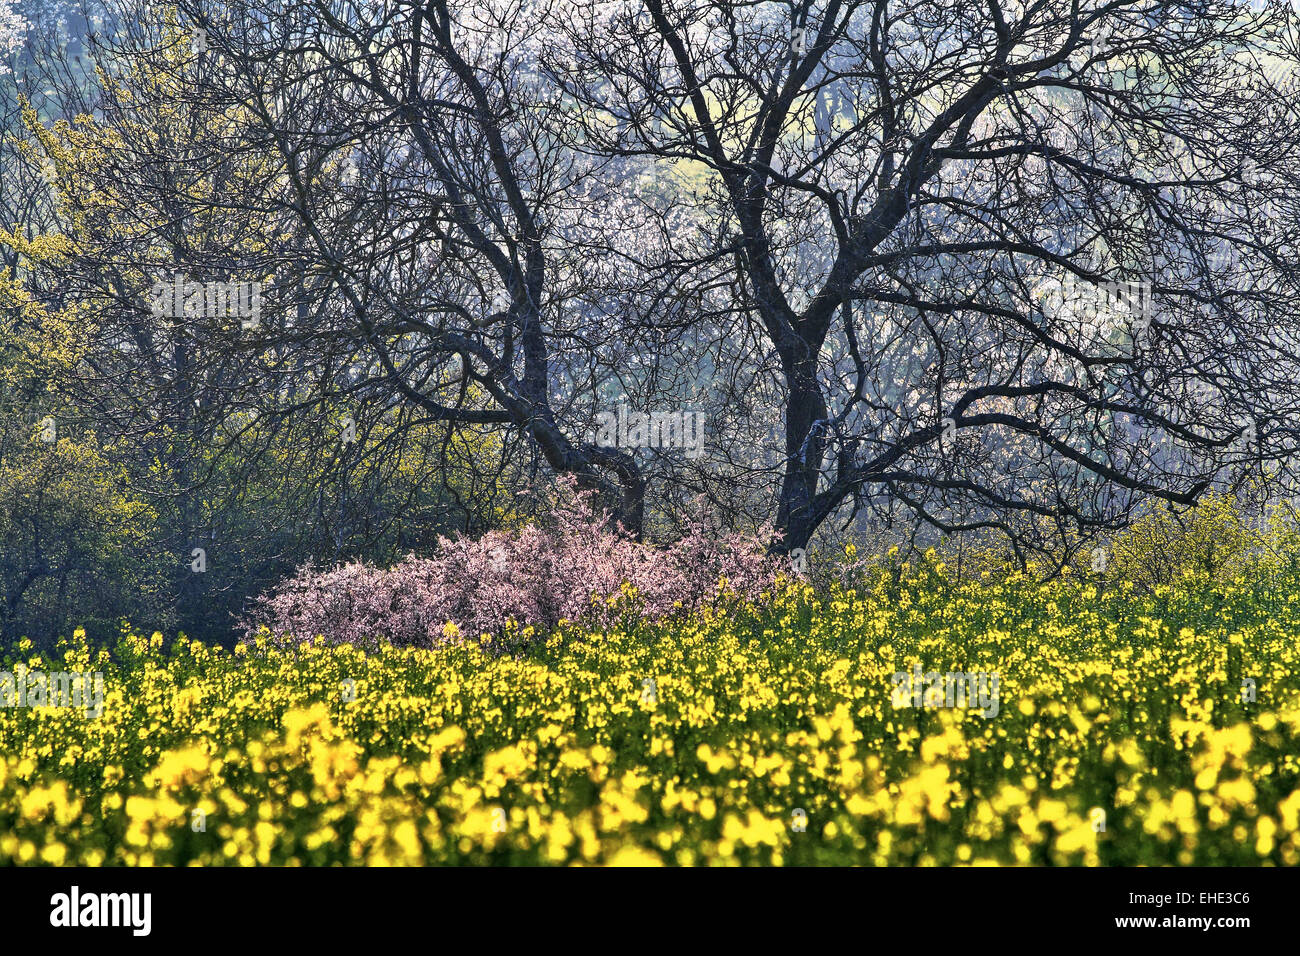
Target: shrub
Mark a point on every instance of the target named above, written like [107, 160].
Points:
[580, 567]
[74, 544]
[1220, 538]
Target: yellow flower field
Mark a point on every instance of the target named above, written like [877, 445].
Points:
[751, 734]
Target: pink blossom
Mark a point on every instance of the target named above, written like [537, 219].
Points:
[536, 576]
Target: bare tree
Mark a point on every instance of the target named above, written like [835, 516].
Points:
[1022, 265]
[1007, 266]
[410, 152]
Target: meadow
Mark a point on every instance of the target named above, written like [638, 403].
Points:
[1133, 727]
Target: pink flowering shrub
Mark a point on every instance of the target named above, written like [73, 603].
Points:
[576, 569]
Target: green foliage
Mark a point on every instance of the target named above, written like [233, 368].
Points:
[72, 540]
[220, 466]
[1217, 539]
